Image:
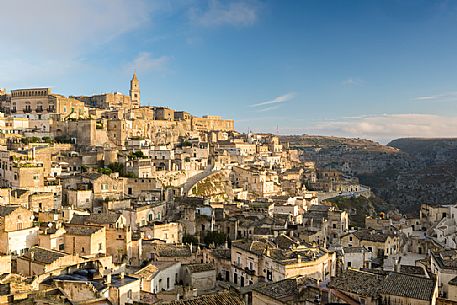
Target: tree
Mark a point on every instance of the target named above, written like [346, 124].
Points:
[189, 239]
[117, 167]
[218, 238]
[104, 170]
[137, 154]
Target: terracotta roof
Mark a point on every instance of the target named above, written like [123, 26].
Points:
[415, 270]
[374, 285]
[42, 255]
[257, 247]
[284, 289]
[172, 250]
[81, 230]
[357, 282]
[374, 236]
[222, 298]
[195, 268]
[99, 219]
[408, 286]
[7, 209]
[222, 253]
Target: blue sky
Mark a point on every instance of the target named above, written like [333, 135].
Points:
[373, 69]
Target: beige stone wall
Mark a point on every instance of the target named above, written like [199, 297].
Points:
[260, 299]
[39, 202]
[19, 219]
[5, 264]
[208, 124]
[30, 100]
[77, 291]
[86, 245]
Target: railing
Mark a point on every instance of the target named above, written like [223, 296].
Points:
[249, 271]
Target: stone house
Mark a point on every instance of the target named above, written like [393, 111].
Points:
[118, 236]
[85, 239]
[380, 244]
[40, 260]
[391, 288]
[199, 276]
[220, 259]
[159, 276]
[296, 291]
[169, 232]
[357, 257]
[17, 231]
[123, 289]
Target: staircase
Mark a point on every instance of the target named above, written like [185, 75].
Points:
[187, 186]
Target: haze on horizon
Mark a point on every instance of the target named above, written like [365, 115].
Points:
[369, 69]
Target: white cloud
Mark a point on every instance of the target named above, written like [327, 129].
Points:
[239, 13]
[69, 26]
[54, 36]
[144, 63]
[268, 108]
[352, 82]
[277, 100]
[390, 126]
[443, 97]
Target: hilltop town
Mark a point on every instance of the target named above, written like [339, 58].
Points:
[106, 201]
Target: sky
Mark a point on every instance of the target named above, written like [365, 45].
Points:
[369, 69]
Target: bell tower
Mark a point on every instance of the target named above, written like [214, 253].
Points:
[135, 91]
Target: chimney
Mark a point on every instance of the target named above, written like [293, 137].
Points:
[108, 278]
[299, 258]
[397, 264]
[122, 275]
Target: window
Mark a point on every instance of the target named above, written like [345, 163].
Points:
[82, 249]
[129, 294]
[349, 264]
[104, 187]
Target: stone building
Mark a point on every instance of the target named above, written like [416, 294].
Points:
[17, 232]
[199, 276]
[134, 92]
[40, 260]
[85, 239]
[159, 276]
[391, 288]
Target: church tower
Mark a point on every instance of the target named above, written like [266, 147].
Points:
[135, 91]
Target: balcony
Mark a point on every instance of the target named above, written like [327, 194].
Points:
[27, 110]
[39, 109]
[249, 271]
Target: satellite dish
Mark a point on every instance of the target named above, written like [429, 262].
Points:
[50, 224]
